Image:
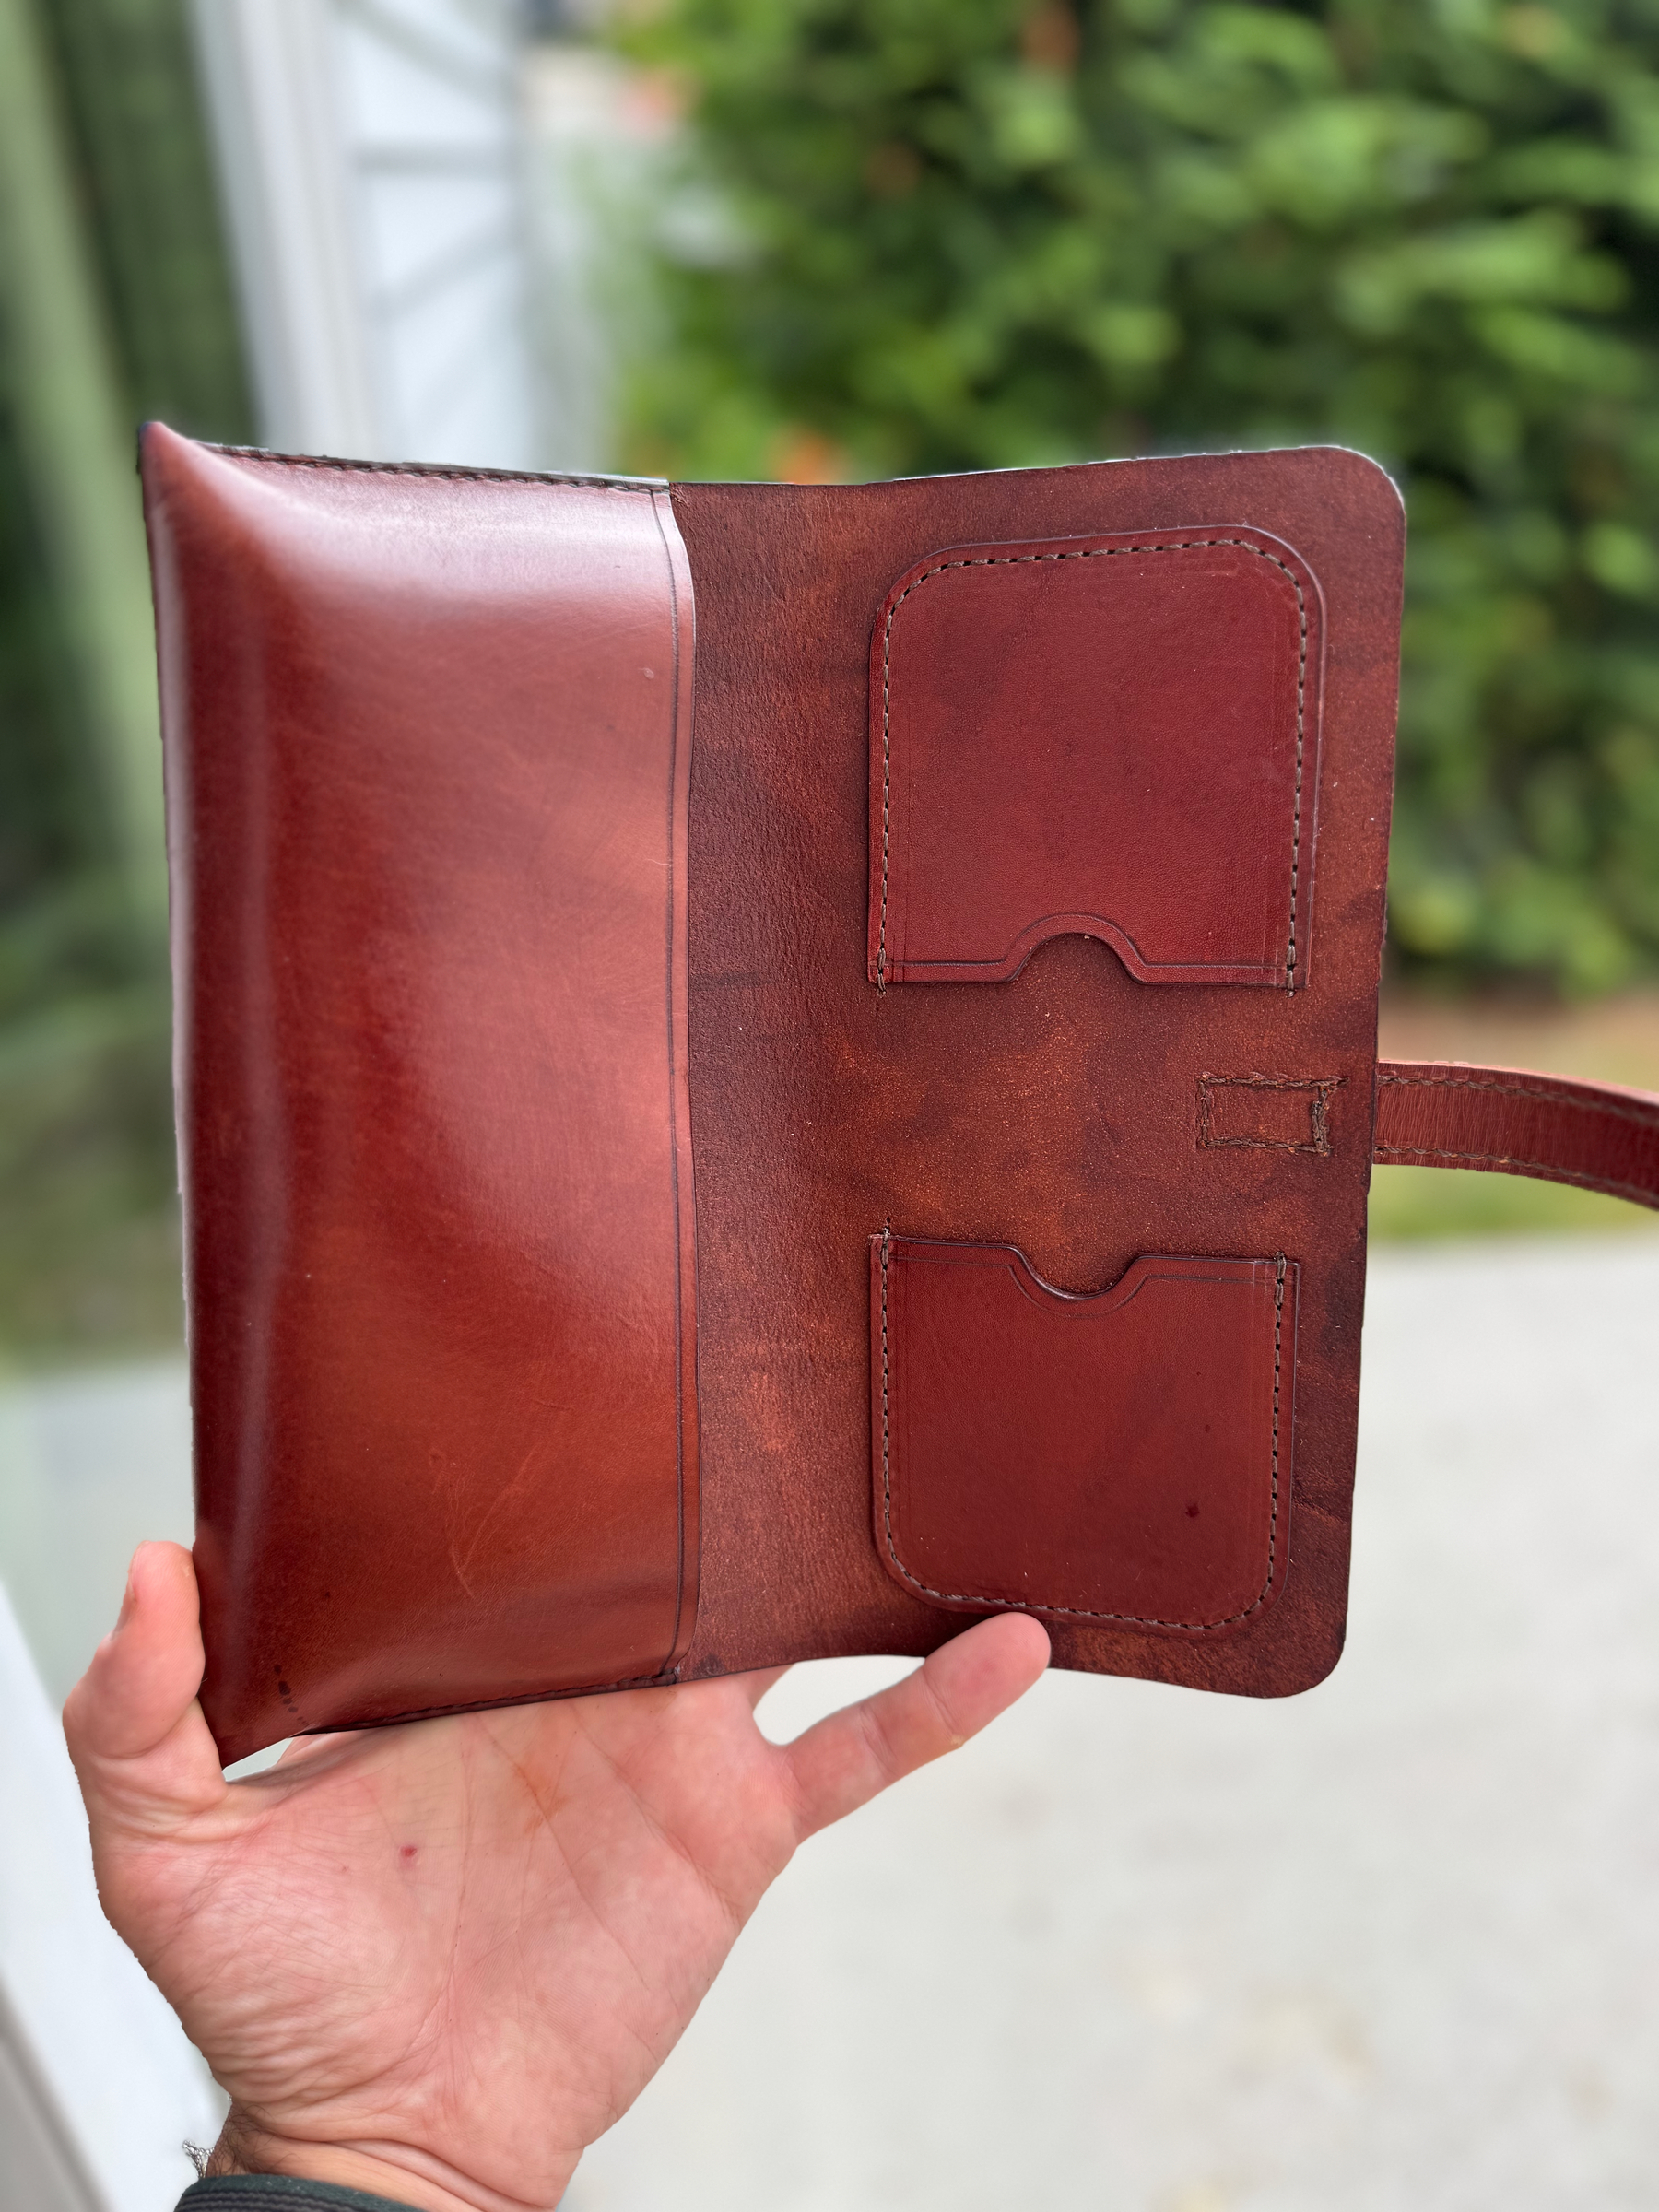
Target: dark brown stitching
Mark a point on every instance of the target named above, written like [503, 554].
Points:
[999, 561]
[1640, 1117]
[435, 468]
[1014, 1604]
[1318, 1116]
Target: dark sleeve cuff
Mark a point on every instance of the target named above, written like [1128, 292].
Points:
[255, 2191]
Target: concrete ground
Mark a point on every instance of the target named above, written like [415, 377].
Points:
[1394, 1943]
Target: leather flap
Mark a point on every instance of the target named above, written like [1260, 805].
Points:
[428, 772]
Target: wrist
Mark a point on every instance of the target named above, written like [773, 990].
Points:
[279, 2193]
[396, 2174]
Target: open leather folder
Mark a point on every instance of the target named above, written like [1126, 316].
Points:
[765, 1068]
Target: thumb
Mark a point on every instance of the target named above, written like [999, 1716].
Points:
[140, 1745]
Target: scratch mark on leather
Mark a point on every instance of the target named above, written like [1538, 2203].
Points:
[1002, 560]
[1014, 1604]
[463, 1547]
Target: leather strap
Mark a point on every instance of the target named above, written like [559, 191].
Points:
[1437, 1113]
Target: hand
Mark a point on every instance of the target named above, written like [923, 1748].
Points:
[435, 1961]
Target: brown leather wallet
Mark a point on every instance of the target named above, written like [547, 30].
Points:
[761, 1068]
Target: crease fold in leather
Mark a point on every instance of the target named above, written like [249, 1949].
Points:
[761, 1068]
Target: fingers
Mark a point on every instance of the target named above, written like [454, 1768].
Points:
[850, 1758]
[147, 1671]
[134, 1730]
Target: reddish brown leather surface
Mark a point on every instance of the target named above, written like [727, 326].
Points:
[1113, 735]
[1443, 1114]
[1122, 1457]
[427, 774]
[425, 800]
[1059, 1111]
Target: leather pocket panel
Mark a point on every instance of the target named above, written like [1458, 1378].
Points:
[1114, 736]
[1122, 1457]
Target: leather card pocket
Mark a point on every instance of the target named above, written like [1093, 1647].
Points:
[1113, 737]
[1122, 1459]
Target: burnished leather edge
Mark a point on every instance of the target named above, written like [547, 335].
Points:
[432, 468]
[679, 1048]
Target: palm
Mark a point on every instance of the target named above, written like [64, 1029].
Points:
[456, 1950]
[431, 1924]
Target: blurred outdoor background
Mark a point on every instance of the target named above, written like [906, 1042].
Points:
[834, 239]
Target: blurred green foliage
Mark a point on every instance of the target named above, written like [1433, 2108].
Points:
[137, 135]
[87, 1247]
[1412, 1205]
[969, 233]
[88, 1254]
